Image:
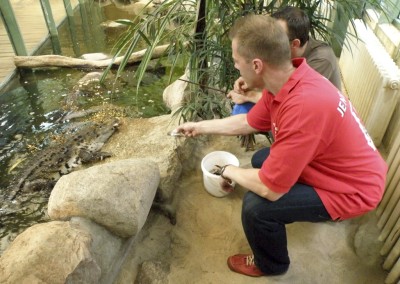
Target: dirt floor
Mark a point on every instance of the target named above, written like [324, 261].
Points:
[209, 229]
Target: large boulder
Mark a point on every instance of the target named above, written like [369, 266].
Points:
[147, 138]
[39, 255]
[117, 195]
[78, 251]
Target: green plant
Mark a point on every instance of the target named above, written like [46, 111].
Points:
[198, 30]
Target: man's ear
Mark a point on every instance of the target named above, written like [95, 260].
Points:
[295, 43]
[258, 65]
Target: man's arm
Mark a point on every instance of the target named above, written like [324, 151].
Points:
[249, 179]
[242, 94]
[232, 125]
[249, 96]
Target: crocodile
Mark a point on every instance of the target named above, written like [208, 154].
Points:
[63, 156]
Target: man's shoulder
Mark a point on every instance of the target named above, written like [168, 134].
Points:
[321, 58]
[318, 48]
[315, 43]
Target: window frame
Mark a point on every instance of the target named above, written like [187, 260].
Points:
[393, 14]
[396, 21]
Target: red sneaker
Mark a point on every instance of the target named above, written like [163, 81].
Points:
[244, 264]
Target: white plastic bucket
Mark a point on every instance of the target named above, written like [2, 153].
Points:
[211, 181]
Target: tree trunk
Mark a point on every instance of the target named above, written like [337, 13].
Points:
[64, 61]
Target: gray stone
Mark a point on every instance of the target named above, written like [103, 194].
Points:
[147, 138]
[53, 252]
[117, 195]
[174, 95]
[105, 247]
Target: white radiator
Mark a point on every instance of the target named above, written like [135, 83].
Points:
[371, 79]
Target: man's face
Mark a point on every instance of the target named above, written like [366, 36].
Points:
[245, 68]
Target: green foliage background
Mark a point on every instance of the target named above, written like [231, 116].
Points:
[197, 33]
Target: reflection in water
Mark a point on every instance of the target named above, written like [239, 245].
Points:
[33, 105]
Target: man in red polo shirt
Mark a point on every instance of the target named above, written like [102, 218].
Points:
[319, 54]
[322, 166]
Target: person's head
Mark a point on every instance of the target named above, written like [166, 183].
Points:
[257, 41]
[296, 23]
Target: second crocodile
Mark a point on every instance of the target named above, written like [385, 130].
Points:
[61, 157]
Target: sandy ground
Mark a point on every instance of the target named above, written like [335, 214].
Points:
[209, 229]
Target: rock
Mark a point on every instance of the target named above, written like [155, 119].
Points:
[106, 248]
[174, 94]
[116, 195]
[142, 7]
[152, 142]
[53, 252]
[138, 8]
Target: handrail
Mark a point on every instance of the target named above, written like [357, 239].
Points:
[51, 26]
[13, 31]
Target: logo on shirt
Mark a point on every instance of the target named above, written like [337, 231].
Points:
[275, 128]
[342, 105]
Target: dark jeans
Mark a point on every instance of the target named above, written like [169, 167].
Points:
[264, 221]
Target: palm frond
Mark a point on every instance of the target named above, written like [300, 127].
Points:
[208, 53]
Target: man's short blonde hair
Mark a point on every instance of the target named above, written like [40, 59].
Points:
[260, 36]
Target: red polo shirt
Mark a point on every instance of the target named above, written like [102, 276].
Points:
[321, 142]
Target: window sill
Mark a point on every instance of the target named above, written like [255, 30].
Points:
[388, 34]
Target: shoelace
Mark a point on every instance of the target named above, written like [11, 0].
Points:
[250, 260]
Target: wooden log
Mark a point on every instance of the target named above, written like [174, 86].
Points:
[41, 61]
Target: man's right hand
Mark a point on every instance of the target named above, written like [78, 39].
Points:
[240, 86]
[189, 129]
[242, 94]
[237, 98]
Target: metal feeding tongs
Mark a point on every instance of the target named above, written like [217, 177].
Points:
[173, 133]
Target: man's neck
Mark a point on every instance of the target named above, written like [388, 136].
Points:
[278, 77]
[300, 51]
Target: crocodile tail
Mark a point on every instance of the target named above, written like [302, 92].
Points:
[14, 192]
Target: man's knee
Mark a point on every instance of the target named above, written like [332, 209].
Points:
[253, 205]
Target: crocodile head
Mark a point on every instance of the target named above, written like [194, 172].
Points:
[92, 139]
[96, 134]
